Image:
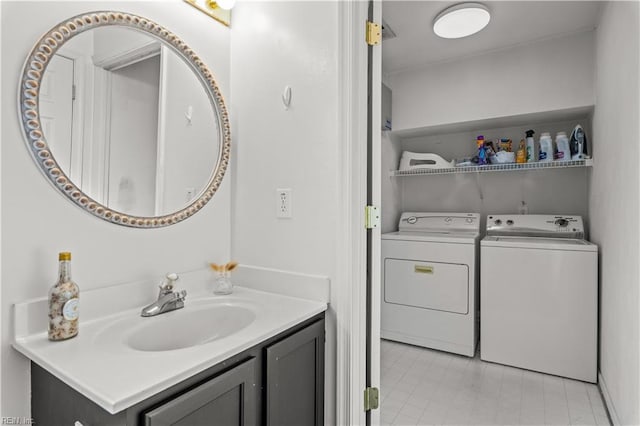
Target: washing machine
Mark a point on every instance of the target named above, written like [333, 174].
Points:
[429, 272]
[539, 295]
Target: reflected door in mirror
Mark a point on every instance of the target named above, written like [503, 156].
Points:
[133, 137]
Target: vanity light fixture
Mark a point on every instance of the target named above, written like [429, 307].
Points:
[224, 4]
[220, 10]
[461, 20]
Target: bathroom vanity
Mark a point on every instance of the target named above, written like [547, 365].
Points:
[277, 382]
[249, 358]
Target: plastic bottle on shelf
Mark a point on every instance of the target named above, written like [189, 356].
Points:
[482, 154]
[546, 148]
[562, 143]
[521, 155]
[532, 157]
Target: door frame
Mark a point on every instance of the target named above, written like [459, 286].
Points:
[351, 237]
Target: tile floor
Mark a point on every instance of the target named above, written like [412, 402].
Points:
[427, 387]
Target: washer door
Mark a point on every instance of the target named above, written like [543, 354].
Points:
[428, 285]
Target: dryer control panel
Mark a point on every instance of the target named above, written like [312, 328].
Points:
[535, 225]
[440, 222]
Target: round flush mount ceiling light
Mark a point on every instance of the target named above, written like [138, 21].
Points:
[461, 20]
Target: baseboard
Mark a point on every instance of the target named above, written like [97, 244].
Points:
[608, 402]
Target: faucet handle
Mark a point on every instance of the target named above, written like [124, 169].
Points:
[182, 295]
[169, 281]
[167, 285]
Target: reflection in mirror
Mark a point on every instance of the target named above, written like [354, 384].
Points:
[129, 122]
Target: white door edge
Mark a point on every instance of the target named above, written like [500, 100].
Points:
[376, 199]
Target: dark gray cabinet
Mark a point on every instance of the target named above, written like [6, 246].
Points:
[278, 382]
[226, 400]
[295, 379]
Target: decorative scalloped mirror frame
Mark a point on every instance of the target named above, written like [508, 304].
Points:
[30, 84]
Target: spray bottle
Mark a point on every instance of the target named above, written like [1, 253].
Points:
[531, 147]
[482, 154]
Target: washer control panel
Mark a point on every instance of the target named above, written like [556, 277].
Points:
[440, 222]
[557, 226]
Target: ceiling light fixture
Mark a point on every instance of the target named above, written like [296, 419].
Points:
[461, 20]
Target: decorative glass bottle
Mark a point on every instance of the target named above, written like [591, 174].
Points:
[223, 283]
[63, 302]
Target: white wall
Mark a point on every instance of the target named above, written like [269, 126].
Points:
[614, 206]
[188, 155]
[113, 42]
[37, 222]
[390, 188]
[542, 76]
[526, 79]
[275, 44]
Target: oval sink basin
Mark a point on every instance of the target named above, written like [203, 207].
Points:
[190, 326]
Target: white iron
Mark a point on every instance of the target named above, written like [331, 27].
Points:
[419, 160]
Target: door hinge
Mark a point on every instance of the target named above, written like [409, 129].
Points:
[73, 92]
[371, 399]
[371, 217]
[374, 34]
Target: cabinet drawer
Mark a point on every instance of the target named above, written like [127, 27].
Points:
[226, 400]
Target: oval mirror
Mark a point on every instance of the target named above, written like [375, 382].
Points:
[124, 119]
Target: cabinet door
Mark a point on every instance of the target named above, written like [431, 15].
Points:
[295, 379]
[226, 400]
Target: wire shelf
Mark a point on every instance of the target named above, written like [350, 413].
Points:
[494, 168]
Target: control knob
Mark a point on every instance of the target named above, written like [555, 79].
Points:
[562, 222]
[509, 222]
[498, 222]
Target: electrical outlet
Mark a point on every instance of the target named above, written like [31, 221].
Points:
[283, 203]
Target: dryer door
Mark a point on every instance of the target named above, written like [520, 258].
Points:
[428, 285]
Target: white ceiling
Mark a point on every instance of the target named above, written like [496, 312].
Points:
[512, 23]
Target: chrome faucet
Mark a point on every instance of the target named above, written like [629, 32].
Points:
[168, 300]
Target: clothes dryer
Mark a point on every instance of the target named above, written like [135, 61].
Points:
[429, 271]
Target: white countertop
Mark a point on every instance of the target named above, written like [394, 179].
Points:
[98, 364]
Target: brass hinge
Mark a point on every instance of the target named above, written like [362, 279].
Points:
[73, 92]
[374, 34]
[371, 217]
[371, 399]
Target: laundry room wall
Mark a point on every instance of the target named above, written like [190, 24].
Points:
[540, 76]
[498, 86]
[38, 222]
[614, 206]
